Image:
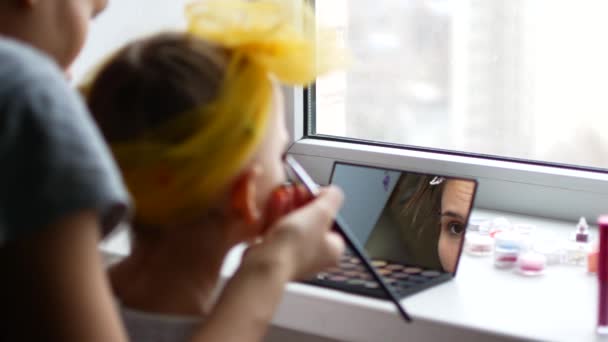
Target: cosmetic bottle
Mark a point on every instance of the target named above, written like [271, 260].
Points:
[582, 231]
[578, 247]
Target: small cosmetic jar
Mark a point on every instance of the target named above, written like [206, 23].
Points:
[478, 244]
[531, 263]
[525, 229]
[508, 240]
[495, 226]
[552, 249]
[507, 246]
[505, 257]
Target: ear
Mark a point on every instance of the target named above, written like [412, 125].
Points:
[244, 195]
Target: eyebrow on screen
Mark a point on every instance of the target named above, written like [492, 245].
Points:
[453, 214]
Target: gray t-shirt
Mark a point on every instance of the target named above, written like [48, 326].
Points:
[53, 161]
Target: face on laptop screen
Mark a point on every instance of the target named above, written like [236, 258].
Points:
[406, 218]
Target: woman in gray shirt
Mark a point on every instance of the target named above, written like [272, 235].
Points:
[60, 192]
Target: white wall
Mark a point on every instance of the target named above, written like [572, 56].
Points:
[122, 21]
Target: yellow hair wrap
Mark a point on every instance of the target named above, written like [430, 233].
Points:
[175, 171]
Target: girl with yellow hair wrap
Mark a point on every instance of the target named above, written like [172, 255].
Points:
[175, 169]
[195, 122]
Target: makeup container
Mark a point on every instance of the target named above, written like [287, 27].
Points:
[551, 248]
[531, 263]
[602, 276]
[508, 240]
[505, 258]
[477, 244]
[495, 226]
[507, 246]
[575, 253]
[524, 229]
[577, 248]
[581, 234]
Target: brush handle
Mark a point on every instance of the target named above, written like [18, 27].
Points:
[341, 227]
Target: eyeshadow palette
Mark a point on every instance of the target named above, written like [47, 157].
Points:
[296, 173]
[410, 225]
[351, 276]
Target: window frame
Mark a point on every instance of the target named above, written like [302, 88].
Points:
[554, 192]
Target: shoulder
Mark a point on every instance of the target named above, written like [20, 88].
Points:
[59, 163]
[33, 90]
[37, 102]
[23, 64]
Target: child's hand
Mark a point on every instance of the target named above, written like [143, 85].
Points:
[302, 242]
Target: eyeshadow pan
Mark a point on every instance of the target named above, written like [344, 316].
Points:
[384, 271]
[379, 263]
[337, 278]
[348, 265]
[399, 275]
[351, 273]
[354, 261]
[412, 270]
[371, 284]
[394, 267]
[431, 274]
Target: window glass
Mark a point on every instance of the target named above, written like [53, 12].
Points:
[524, 79]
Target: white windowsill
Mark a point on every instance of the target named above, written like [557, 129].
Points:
[482, 303]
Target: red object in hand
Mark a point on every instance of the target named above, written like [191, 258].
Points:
[283, 200]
